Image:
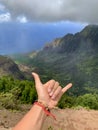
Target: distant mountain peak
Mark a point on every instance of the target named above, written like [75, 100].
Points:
[89, 29]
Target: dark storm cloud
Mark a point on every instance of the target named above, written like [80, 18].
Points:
[54, 10]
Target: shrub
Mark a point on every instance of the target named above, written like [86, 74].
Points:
[88, 100]
[8, 101]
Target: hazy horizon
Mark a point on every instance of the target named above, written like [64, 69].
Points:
[26, 37]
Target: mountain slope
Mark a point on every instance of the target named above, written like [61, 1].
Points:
[9, 68]
[72, 58]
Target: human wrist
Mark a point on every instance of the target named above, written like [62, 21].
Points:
[45, 109]
[47, 104]
[43, 102]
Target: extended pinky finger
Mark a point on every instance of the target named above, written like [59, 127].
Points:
[67, 87]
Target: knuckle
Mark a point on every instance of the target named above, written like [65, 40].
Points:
[55, 94]
[52, 80]
[60, 87]
[57, 83]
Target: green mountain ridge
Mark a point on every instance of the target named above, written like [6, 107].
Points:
[72, 58]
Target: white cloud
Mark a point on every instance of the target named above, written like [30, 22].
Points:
[54, 10]
[22, 19]
[5, 17]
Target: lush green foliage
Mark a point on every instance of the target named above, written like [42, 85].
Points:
[15, 92]
[88, 100]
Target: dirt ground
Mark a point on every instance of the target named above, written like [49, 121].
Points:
[67, 119]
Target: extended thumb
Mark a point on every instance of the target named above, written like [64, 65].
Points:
[37, 79]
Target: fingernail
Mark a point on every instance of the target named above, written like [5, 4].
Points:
[51, 94]
[49, 90]
[32, 73]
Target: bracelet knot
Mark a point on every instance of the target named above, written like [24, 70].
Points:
[45, 108]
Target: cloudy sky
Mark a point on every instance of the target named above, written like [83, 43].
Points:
[65, 16]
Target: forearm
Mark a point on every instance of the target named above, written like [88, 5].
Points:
[33, 120]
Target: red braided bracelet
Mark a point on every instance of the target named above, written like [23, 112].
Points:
[46, 109]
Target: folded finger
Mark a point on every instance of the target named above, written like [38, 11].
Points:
[57, 92]
[56, 85]
[51, 85]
